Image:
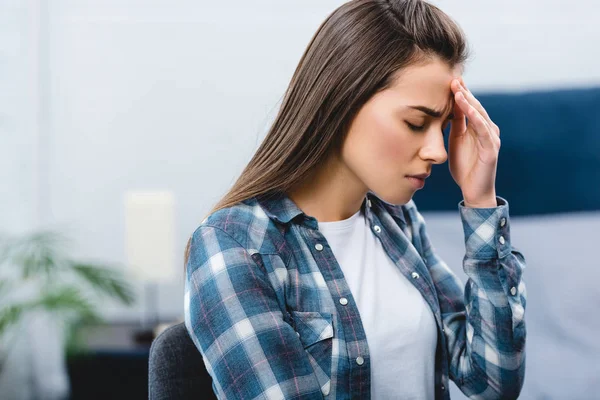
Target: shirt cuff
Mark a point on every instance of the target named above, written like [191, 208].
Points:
[486, 230]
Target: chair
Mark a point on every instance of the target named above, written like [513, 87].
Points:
[176, 369]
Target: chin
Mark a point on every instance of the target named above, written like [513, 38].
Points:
[393, 198]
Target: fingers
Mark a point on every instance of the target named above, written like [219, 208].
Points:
[458, 86]
[478, 122]
[459, 122]
[473, 100]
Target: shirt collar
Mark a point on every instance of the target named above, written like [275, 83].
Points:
[282, 209]
[279, 207]
[394, 210]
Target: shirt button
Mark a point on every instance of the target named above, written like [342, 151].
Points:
[513, 290]
[501, 240]
[443, 387]
[377, 229]
[369, 203]
[360, 360]
[503, 222]
[319, 246]
[325, 390]
[415, 275]
[343, 301]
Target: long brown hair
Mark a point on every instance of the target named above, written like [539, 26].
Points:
[355, 53]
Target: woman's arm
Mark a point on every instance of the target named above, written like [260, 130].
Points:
[485, 332]
[233, 317]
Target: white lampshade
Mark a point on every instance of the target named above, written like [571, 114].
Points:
[150, 235]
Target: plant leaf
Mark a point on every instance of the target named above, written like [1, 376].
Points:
[36, 253]
[4, 287]
[10, 315]
[106, 281]
[67, 299]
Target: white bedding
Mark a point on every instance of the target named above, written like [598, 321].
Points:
[563, 298]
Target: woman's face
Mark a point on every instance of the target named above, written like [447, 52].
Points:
[398, 132]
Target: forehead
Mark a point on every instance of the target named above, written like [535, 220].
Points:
[426, 84]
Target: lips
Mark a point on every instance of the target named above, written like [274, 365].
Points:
[420, 176]
[417, 183]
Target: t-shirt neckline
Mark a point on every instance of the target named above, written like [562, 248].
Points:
[341, 225]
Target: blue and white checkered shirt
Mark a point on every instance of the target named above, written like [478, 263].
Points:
[263, 290]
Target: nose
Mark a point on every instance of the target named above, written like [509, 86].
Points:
[433, 149]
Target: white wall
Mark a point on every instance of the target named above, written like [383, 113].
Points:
[19, 106]
[130, 94]
[530, 44]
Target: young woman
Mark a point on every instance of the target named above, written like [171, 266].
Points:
[314, 276]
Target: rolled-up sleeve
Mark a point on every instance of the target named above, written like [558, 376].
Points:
[235, 321]
[484, 324]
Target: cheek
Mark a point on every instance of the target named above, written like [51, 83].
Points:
[376, 149]
[390, 141]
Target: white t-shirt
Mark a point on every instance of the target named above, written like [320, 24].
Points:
[399, 325]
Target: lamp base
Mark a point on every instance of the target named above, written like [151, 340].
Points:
[144, 336]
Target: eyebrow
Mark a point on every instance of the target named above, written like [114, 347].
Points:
[431, 112]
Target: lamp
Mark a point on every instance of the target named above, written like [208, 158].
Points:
[150, 245]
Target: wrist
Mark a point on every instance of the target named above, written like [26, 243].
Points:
[487, 203]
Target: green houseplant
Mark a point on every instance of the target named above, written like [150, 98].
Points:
[37, 274]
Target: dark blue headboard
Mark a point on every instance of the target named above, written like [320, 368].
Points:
[549, 158]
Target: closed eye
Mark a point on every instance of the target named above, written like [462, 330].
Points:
[416, 128]
[421, 128]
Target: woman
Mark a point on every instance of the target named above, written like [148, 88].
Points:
[314, 276]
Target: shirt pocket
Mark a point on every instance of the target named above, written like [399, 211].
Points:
[315, 331]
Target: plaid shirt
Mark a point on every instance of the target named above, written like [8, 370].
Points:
[263, 290]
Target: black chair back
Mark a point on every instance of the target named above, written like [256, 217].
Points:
[176, 369]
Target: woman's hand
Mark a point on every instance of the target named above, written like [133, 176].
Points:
[473, 149]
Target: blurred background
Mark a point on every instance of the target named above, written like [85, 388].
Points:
[123, 121]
